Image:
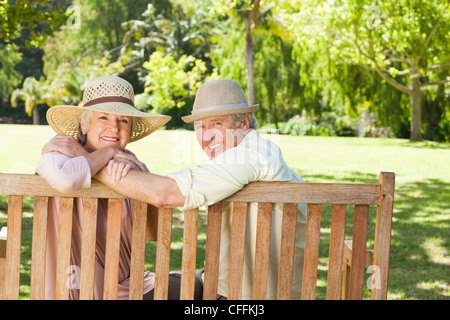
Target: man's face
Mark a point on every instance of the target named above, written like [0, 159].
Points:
[218, 134]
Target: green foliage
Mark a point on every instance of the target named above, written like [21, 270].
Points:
[336, 60]
[9, 77]
[332, 123]
[32, 92]
[170, 84]
[405, 43]
[37, 18]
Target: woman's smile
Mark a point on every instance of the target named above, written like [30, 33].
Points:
[112, 139]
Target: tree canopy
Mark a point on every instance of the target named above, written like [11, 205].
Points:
[345, 67]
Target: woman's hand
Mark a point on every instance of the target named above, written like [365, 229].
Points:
[66, 145]
[119, 168]
[122, 163]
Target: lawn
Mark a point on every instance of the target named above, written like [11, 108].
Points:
[420, 258]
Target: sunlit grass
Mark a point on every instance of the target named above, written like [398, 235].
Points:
[420, 246]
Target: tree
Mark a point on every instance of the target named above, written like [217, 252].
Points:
[171, 84]
[405, 42]
[171, 28]
[38, 18]
[260, 57]
[33, 93]
[248, 13]
[9, 77]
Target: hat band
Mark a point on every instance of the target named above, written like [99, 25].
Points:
[109, 99]
[215, 108]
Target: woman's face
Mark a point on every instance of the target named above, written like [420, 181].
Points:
[107, 130]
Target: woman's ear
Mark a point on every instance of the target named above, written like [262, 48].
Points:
[83, 126]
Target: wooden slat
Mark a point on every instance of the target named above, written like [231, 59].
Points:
[12, 270]
[212, 251]
[64, 248]
[88, 243]
[237, 247]
[287, 192]
[112, 250]
[2, 275]
[345, 280]
[368, 257]
[347, 263]
[336, 251]
[2, 248]
[137, 267]
[189, 255]
[262, 251]
[162, 263]
[287, 250]
[383, 234]
[151, 231]
[34, 185]
[38, 248]
[358, 252]
[313, 193]
[311, 258]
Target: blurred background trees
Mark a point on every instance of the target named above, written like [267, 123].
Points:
[348, 67]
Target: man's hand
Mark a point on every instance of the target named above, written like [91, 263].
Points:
[66, 145]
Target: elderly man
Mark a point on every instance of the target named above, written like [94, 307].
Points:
[225, 128]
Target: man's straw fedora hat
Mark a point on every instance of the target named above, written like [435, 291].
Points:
[108, 94]
[218, 98]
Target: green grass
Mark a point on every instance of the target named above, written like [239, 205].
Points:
[420, 259]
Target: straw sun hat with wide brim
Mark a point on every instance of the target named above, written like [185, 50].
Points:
[218, 98]
[108, 94]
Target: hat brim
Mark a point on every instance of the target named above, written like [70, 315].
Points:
[64, 119]
[220, 112]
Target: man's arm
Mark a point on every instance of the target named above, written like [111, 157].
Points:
[157, 190]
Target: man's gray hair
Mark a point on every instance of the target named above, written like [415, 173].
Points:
[239, 118]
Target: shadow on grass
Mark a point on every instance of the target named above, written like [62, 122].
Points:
[420, 243]
[176, 250]
[420, 246]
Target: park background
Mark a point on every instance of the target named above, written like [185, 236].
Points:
[346, 88]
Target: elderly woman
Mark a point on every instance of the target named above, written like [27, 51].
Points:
[103, 127]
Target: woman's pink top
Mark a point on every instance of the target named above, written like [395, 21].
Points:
[67, 175]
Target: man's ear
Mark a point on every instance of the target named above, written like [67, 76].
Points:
[246, 122]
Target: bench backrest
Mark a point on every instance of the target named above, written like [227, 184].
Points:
[265, 193]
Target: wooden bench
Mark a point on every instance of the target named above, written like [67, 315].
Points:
[346, 259]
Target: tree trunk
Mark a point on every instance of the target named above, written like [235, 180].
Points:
[36, 119]
[416, 111]
[249, 61]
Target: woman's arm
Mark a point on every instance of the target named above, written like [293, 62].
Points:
[67, 166]
[64, 173]
[98, 159]
[70, 147]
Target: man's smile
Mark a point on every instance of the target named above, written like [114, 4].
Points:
[215, 146]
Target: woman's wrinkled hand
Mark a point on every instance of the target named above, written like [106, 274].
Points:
[122, 163]
[66, 145]
[119, 168]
